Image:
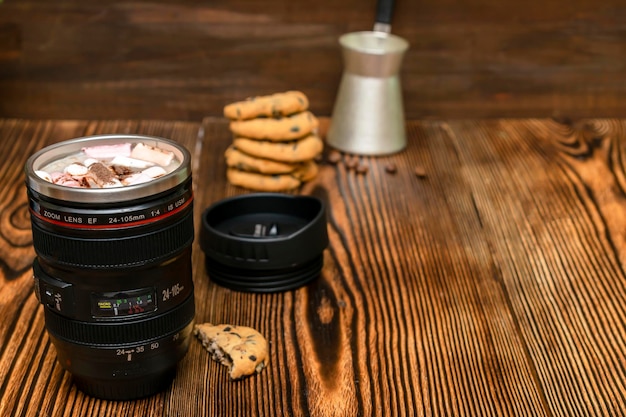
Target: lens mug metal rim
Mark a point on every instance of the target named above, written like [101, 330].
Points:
[105, 195]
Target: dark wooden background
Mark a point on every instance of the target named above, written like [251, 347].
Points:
[184, 59]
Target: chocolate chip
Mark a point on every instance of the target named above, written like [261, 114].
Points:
[295, 128]
[227, 329]
[252, 358]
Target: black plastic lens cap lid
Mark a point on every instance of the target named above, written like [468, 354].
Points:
[264, 242]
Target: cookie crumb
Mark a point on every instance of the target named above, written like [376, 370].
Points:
[391, 168]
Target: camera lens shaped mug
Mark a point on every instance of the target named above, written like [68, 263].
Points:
[113, 271]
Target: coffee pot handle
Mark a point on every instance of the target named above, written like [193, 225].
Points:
[384, 11]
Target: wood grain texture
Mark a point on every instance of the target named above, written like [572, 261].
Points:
[184, 59]
[491, 285]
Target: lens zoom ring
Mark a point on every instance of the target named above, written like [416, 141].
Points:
[99, 253]
[121, 333]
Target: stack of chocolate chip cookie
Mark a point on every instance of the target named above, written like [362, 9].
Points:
[275, 142]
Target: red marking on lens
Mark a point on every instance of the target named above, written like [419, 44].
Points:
[114, 225]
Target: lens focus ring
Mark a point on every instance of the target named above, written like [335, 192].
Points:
[114, 252]
[121, 333]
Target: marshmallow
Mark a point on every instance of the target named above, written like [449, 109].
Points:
[152, 154]
[131, 162]
[44, 175]
[154, 172]
[108, 151]
[77, 170]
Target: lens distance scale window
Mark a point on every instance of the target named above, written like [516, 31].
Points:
[123, 304]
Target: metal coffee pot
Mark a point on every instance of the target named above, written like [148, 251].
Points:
[368, 115]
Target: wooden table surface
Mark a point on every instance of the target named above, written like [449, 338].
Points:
[493, 285]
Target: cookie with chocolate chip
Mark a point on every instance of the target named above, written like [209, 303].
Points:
[276, 129]
[242, 349]
[306, 171]
[244, 162]
[272, 105]
[300, 150]
[262, 182]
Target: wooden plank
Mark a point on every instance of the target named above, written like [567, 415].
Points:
[184, 61]
[405, 319]
[551, 214]
[489, 284]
